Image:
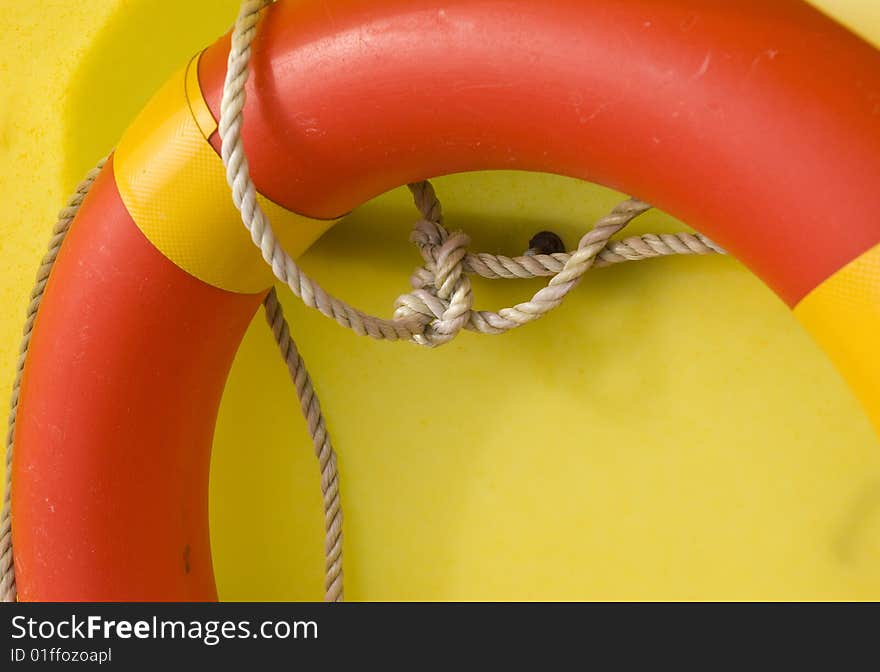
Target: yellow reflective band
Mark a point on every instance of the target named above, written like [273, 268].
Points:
[843, 315]
[173, 185]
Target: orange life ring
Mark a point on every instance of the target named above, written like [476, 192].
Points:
[157, 280]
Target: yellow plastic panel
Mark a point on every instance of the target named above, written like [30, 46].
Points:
[174, 186]
[682, 436]
[843, 314]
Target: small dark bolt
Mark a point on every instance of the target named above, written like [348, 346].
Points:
[546, 242]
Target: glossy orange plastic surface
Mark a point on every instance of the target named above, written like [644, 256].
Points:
[126, 367]
[756, 122]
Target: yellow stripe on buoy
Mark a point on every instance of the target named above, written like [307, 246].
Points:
[174, 186]
[843, 315]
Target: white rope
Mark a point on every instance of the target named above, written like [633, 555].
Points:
[440, 304]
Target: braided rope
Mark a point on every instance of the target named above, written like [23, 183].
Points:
[311, 410]
[442, 291]
[244, 195]
[634, 248]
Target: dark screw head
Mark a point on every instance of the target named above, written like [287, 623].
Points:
[546, 242]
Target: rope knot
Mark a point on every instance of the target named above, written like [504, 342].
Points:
[441, 299]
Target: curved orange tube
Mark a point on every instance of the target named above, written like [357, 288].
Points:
[132, 346]
[126, 367]
[351, 98]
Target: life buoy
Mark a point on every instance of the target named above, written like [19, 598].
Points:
[157, 279]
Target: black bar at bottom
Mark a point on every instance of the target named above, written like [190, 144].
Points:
[152, 636]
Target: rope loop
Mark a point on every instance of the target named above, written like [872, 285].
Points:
[440, 304]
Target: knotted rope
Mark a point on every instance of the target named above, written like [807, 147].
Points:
[436, 309]
[440, 304]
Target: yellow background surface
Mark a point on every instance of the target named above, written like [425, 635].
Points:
[670, 433]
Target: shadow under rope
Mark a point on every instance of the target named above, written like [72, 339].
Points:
[268, 502]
